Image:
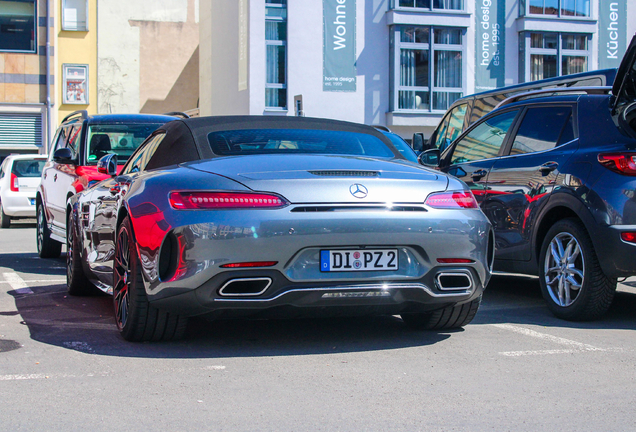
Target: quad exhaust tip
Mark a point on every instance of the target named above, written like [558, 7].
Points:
[454, 281]
[243, 287]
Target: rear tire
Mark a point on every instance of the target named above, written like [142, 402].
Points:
[138, 320]
[47, 247]
[572, 281]
[5, 219]
[77, 284]
[451, 317]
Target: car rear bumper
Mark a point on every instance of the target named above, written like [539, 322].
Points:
[617, 257]
[197, 284]
[285, 299]
[18, 204]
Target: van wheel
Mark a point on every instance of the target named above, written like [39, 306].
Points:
[47, 247]
[77, 284]
[572, 281]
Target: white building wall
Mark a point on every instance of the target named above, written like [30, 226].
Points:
[370, 103]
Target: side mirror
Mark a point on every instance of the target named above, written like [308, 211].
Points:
[417, 143]
[429, 157]
[63, 156]
[108, 165]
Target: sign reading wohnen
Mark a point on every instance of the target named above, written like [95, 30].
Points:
[339, 45]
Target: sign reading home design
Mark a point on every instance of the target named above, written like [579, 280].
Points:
[612, 33]
[490, 44]
[339, 45]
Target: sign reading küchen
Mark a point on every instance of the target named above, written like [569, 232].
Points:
[339, 45]
[612, 31]
[490, 48]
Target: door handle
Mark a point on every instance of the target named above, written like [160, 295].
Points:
[115, 189]
[477, 175]
[548, 167]
[55, 177]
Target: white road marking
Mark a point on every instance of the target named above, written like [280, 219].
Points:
[21, 377]
[36, 280]
[17, 283]
[574, 346]
[79, 346]
[214, 368]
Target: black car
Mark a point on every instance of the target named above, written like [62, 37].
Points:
[555, 174]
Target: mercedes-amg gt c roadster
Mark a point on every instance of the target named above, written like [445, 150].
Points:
[276, 217]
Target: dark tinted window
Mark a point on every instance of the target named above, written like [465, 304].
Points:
[402, 147]
[540, 129]
[27, 167]
[485, 140]
[121, 138]
[303, 141]
[568, 132]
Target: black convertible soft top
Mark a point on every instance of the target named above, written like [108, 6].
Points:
[186, 139]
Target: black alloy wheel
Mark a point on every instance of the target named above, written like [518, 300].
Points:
[47, 247]
[137, 320]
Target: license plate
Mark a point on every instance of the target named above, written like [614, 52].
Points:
[358, 260]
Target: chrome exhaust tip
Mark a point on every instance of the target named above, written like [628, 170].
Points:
[243, 287]
[454, 281]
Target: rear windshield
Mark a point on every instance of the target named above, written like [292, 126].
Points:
[295, 141]
[121, 139]
[27, 167]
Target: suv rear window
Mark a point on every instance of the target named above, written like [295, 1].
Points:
[304, 141]
[121, 139]
[27, 167]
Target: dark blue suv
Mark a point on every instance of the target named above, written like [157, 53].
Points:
[556, 175]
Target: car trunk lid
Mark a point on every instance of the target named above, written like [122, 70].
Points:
[329, 179]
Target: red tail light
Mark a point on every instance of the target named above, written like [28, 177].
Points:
[15, 187]
[452, 200]
[622, 163]
[629, 237]
[455, 261]
[224, 200]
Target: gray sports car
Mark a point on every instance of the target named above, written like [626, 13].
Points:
[276, 216]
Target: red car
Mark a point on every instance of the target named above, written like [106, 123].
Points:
[79, 143]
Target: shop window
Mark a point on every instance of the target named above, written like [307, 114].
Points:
[548, 55]
[276, 54]
[556, 8]
[456, 5]
[75, 15]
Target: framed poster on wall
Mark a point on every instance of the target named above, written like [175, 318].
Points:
[75, 85]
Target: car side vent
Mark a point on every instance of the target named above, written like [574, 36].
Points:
[333, 173]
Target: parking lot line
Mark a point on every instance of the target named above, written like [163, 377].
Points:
[575, 347]
[17, 283]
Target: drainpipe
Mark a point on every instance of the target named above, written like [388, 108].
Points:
[48, 75]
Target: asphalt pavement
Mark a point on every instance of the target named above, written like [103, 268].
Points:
[64, 367]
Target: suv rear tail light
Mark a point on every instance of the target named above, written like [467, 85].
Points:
[452, 200]
[622, 163]
[15, 187]
[629, 237]
[224, 200]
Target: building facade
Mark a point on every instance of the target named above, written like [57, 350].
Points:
[114, 56]
[398, 63]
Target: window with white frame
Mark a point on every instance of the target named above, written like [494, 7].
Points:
[550, 55]
[556, 8]
[18, 26]
[276, 54]
[75, 15]
[428, 67]
[457, 5]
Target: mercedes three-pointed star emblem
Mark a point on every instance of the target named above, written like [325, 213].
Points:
[358, 190]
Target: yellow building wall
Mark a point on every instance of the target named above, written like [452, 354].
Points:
[76, 48]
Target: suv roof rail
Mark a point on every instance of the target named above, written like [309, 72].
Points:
[381, 128]
[531, 94]
[82, 113]
[177, 114]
